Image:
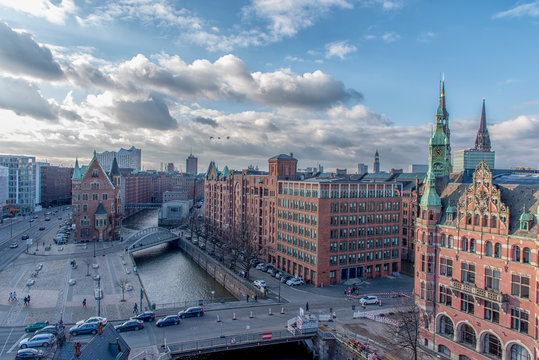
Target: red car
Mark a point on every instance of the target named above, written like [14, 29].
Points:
[47, 219]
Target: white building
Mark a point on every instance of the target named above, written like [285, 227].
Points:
[22, 183]
[4, 185]
[127, 158]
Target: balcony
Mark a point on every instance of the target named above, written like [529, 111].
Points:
[471, 289]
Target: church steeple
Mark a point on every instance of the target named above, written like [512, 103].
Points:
[439, 144]
[482, 140]
[376, 165]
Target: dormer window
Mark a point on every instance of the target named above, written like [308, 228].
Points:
[95, 173]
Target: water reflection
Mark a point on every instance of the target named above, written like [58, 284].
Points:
[168, 275]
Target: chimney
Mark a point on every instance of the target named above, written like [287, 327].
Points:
[291, 154]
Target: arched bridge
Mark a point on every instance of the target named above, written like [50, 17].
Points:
[150, 237]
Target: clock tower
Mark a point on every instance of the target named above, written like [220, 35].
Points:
[439, 144]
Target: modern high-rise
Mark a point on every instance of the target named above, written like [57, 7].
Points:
[55, 185]
[362, 168]
[468, 159]
[22, 181]
[191, 165]
[476, 257]
[127, 159]
[4, 185]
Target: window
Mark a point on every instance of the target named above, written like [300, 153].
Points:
[444, 350]
[333, 260]
[464, 246]
[467, 335]
[526, 255]
[104, 196]
[446, 267]
[515, 253]
[430, 264]
[94, 196]
[498, 250]
[519, 320]
[520, 286]
[430, 291]
[492, 346]
[492, 279]
[468, 273]
[492, 312]
[488, 249]
[446, 326]
[450, 240]
[518, 352]
[467, 303]
[333, 247]
[472, 245]
[445, 295]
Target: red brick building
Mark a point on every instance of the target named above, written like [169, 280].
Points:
[476, 283]
[97, 203]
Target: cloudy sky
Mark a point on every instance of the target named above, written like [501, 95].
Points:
[240, 81]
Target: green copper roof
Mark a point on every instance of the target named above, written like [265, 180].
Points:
[77, 175]
[225, 173]
[430, 196]
[451, 209]
[525, 216]
[439, 137]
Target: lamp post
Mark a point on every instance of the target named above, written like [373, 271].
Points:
[141, 295]
[94, 247]
[279, 290]
[212, 294]
[99, 296]
[11, 226]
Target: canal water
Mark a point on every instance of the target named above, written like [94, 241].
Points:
[167, 274]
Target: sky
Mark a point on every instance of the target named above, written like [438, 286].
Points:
[238, 82]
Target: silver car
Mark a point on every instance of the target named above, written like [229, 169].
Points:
[37, 341]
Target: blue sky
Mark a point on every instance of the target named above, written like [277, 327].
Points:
[329, 80]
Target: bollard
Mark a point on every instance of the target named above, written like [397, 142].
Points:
[269, 312]
[234, 316]
[380, 302]
[218, 318]
[282, 309]
[251, 315]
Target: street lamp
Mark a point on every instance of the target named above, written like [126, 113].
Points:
[212, 293]
[94, 247]
[99, 296]
[141, 295]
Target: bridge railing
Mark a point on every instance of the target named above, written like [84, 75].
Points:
[141, 233]
[189, 303]
[238, 340]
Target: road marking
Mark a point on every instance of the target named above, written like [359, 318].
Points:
[7, 339]
[16, 343]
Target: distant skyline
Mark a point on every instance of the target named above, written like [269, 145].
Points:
[240, 81]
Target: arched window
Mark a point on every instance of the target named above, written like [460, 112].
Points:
[444, 240]
[526, 255]
[488, 249]
[515, 253]
[468, 219]
[476, 220]
[493, 221]
[446, 326]
[492, 346]
[498, 250]
[472, 245]
[519, 353]
[485, 221]
[450, 241]
[444, 350]
[467, 335]
[464, 246]
[424, 238]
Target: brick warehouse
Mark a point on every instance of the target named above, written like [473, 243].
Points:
[476, 282]
[97, 205]
[326, 230]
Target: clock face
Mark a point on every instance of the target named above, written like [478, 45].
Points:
[438, 151]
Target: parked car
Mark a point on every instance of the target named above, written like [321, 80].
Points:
[43, 340]
[366, 300]
[130, 325]
[36, 326]
[259, 284]
[145, 316]
[294, 282]
[25, 237]
[168, 320]
[260, 266]
[49, 329]
[84, 328]
[47, 219]
[285, 278]
[13, 245]
[29, 354]
[191, 312]
[41, 228]
[273, 272]
[94, 319]
[31, 220]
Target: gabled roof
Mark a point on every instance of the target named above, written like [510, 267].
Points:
[101, 209]
[282, 157]
[114, 169]
[77, 175]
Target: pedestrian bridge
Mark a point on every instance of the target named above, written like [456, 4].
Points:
[149, 237]
[231, 342]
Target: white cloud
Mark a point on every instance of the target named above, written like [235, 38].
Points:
[390, 37]
[339, 49]
[46, 9]
[529, 9]
[426, 36]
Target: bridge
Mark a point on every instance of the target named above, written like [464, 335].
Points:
[143, 206]
[149, 237]
[232, 342]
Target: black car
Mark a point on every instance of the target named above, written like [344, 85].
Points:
[168, 320]
[42, 228]
[145, 316]
[191, 312]
[50, 329]
[29, 354]
[25, 237]
[129, 325]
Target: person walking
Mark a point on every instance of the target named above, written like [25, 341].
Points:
[10, 296]
[84, 303]
[135, 308]
[256, 297]
[24, 300]
[14, 296]
[247, 298]
[28, 299]
[307, 307]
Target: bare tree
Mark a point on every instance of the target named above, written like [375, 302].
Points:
[245, 245]
[405, 330]
[88, 262]
[122, 284]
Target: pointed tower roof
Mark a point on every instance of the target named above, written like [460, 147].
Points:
[100, 210]
[430, 196]
[77, 175]
[114, 169]
[442, 113]
[482, 140]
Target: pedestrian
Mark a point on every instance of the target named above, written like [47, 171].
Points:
[84, 303]
[256, 297]
[24, 300]
[10, 296]
[247, 298]
[28, 299]
[135, 308]
[307, 307]
[14, 296]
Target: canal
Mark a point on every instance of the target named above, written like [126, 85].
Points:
[167, 274]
